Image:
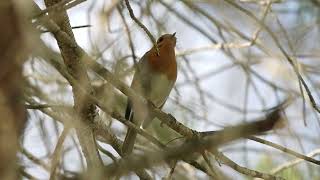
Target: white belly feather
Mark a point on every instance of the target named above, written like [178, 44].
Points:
[160, 89]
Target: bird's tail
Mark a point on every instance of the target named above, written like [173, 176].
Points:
[129, 141]
[131, 135]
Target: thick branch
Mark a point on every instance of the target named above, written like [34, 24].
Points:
[82, 104]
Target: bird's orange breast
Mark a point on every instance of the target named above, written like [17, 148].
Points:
[165, 63]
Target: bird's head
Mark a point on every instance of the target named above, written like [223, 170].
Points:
[167, 40]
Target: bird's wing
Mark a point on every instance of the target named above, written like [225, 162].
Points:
[141, 80]
[140, 83]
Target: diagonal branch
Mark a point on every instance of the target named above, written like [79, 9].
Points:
[82, 104]
[287, 56]
[293, 163]
[285, 150]
[244, 170]
[141, 25]
[197, 144]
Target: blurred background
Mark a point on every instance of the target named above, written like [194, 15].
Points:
[236, 60]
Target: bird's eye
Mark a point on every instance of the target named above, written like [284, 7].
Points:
[159, 40]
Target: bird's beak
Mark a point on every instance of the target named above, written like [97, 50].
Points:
[174, 34]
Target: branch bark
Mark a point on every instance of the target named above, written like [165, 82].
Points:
[83, 106]
[12, 110]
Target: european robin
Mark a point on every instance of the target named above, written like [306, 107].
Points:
[155, 76]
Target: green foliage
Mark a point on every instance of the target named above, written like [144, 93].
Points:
[292, 174]
[266, 163]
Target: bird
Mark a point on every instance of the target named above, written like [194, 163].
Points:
[154, 78]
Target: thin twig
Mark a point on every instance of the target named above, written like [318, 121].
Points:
[283, 149]
[292, 163]
[129, 36]
[244, 170]
[141, 25]
[57, 153]
[62, 5]
[287, 56]
[73, 27]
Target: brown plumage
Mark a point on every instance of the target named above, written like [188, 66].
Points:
[154, 79]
